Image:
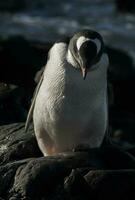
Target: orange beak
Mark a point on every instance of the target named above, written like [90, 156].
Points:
[84, 72]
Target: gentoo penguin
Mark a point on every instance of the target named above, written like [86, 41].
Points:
[70, 103]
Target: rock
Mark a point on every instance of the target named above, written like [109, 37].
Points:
[125, 5]
[81, 174]
[16, 144]
[6, 90]
[7, 174]
[26, 176]
[20, 66]
[121, 67]
[123, 127]
[38, 178]
[20, 60]
[15, 5]
[121, 74]
[11, 104]
[77, 187]
[110, 184]
[12, 5]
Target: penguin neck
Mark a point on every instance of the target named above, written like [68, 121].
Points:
[71, 60]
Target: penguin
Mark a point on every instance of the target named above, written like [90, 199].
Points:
[69, 107]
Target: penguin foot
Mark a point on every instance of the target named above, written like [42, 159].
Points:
[46, 149]
[81, 147]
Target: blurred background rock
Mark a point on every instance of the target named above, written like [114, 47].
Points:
[125, 5]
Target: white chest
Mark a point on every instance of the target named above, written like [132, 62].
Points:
[72, 109]
[69, 109]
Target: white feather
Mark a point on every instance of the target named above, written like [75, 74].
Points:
[81, 40]
[71, 59]
[68, 110]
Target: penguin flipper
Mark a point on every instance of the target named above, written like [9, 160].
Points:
[30, 113]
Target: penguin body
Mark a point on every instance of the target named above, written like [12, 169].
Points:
[69, 111]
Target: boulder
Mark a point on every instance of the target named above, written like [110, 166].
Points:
[110, 184]
[16, 144]
[125, 5]
[26, 175]
[11, 104]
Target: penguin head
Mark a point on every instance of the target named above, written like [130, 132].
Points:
[85, 50]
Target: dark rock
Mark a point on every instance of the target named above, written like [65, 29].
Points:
[15, 5]
[6, 90]
[44, 177]
[77, 187]
[125, 5]
[20, 66]
[121, 75]
[121, 66]
[132, 150]
[20, 61]
[16, 144]
[109, 184]
[7, 174]
[11, 104]
[39, 178]
[12, 5]
[123, 127]
[115, 157]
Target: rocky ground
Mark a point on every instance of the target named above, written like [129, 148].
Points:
[104, 173]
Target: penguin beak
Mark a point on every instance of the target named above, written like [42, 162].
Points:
[84, 72]
[83, 68]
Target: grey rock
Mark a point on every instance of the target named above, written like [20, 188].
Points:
[41, 177]
[38, 178]
[110, 184]
[25, 176]
[77, 187]
[7, 174]
[16, 144]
